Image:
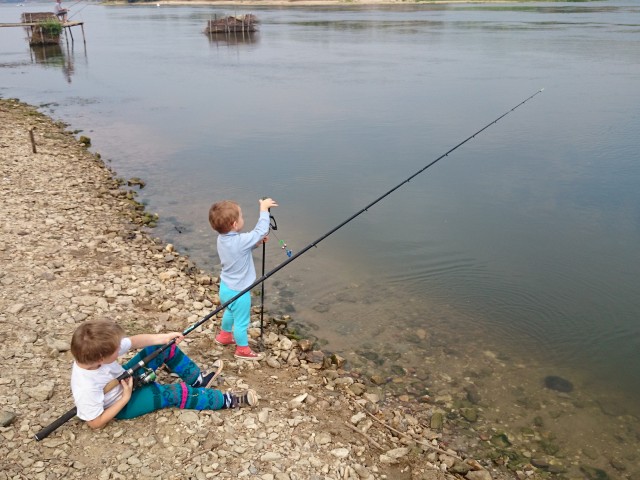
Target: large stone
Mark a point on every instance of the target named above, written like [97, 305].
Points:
[397, 452]
[437, 420]
[41, 392]
[15, 308]
[478, 475]
[58, 345]
[6, 418]
[270, 457]
[340, 452]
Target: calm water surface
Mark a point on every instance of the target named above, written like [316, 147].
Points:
[524, 241]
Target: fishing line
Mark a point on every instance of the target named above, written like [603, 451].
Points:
[74, 4]
[76, 13]
[145, 361]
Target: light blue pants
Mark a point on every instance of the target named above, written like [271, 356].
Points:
[237, 315]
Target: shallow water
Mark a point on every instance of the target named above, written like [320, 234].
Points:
[523, 242]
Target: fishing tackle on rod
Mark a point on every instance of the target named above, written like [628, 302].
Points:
[145, 361]
[283, 246]
[273, 225]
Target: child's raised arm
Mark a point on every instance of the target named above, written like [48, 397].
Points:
[149, 339]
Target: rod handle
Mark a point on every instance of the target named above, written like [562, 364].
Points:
[46, 431]
[111, 385]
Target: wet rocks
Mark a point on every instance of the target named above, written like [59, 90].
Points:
[558, 384]
[592, 473]
[437, 421]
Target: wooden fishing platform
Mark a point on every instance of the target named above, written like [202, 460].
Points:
[35, 24]
[32, 21]
[232, 24]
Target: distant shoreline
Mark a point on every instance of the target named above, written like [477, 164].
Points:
[311, 3]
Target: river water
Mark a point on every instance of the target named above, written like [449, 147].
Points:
[519, 252]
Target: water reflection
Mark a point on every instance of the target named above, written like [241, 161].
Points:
[233, 38]
[54, 56]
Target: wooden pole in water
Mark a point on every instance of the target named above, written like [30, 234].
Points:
[33, 140]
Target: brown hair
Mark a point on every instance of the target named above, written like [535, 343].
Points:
[96, 339]
[223, 214]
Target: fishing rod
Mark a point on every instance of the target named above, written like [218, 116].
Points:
[273, 225]
[142, 363]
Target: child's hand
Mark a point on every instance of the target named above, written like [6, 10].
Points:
[127, 388]
[171, 335]
[264, 240]
[266, 204]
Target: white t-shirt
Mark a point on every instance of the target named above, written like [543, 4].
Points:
[87, 386]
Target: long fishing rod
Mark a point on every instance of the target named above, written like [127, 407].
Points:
[145, 361]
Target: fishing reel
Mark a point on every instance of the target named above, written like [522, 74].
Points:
[146, 377]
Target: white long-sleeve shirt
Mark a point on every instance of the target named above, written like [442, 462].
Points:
[234, 250]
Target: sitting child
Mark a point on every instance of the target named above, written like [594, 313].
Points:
[60, 11]
[96, 346]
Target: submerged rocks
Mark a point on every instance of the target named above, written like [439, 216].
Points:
[559, 384]
[592, 473]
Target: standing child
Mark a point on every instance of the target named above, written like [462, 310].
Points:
[238, 270]
[96, 346]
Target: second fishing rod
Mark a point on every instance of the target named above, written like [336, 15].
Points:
[291, 257]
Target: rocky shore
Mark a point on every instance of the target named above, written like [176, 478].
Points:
[73, 247]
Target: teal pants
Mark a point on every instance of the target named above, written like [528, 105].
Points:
[237, 315]
[155, 396]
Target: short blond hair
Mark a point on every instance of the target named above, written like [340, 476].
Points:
[222, 215]
[95, 340]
